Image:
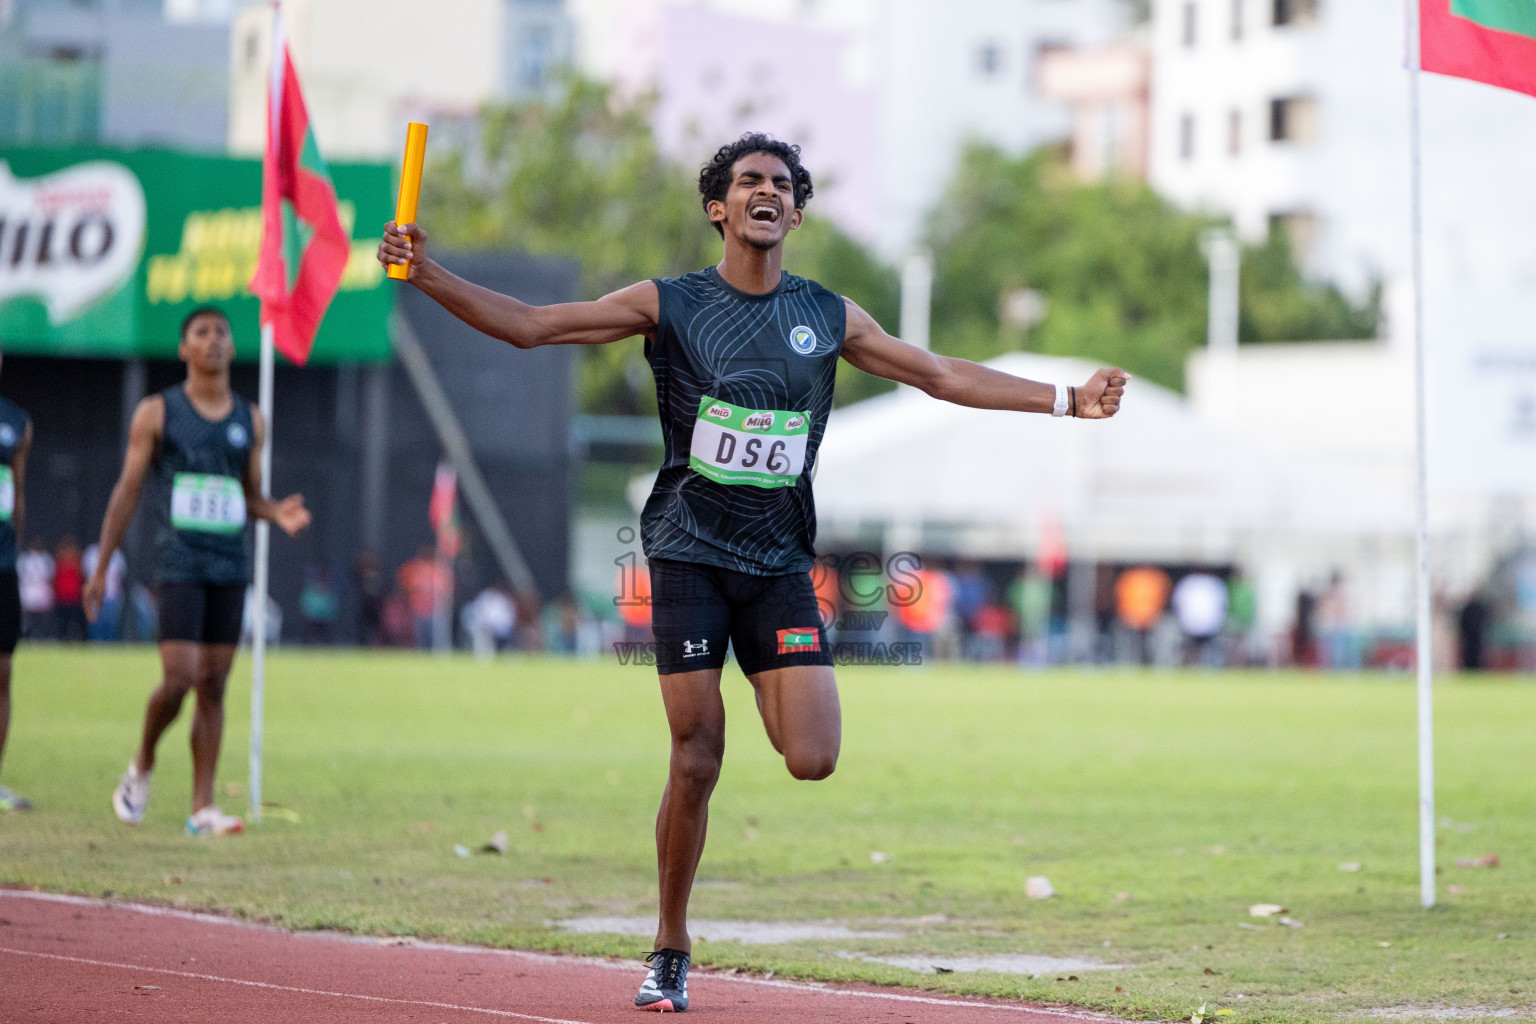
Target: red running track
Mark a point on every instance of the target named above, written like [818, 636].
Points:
[66, 959]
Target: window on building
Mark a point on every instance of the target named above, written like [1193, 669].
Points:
[67, 54]
[1295, 12]
[252, 51]
[1235, 132]
[51, 98]
[1187, 137]
[1293, 119]
[536, 55]
[1190, 33]
[989, 59]
[1300, 228]
[1109, 135]
[1237, 21]
[1036, 57]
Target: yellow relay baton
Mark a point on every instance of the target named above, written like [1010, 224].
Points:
[410, 187]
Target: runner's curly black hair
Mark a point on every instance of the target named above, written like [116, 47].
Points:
[715, 177]
[186, 321]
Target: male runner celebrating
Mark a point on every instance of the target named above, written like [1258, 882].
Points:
[744, 357]
[15, 442]
[203, 443]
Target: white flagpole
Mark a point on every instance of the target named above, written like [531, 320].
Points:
[1425, 652]
[263, 528]
[442, 605]
[263, 549]
[442, 563]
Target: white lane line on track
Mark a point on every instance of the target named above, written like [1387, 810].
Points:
[557, 959]
[291, 988]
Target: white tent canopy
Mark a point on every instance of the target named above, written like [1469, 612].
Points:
[1156, 482]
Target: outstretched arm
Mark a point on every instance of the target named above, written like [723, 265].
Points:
[290, 515]
[868, 347]
[614, 317]
[143, 439]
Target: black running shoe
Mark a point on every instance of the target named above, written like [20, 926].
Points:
[666, 984]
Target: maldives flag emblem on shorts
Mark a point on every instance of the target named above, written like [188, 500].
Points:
[798, 641]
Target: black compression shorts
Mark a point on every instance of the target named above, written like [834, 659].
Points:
[770, 621]
[204, 613]
[10, 613]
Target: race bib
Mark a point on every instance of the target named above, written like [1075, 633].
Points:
[7, 494]
[758, 447]
[208, 504]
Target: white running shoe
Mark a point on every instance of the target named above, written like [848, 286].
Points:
[210, 821]
[13, 802]
[131, 797]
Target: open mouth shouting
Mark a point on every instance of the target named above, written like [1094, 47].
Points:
[764, 212]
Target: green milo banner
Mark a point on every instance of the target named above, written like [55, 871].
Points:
[103, 251]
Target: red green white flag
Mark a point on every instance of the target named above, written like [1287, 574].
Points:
[1491, 41]
[303, 246]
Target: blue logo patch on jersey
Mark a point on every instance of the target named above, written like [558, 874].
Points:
[236, 435]
[7, 435]
[802, 340]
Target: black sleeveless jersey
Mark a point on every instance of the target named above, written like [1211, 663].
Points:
[744, 386]
[13, 431]
[199, 474]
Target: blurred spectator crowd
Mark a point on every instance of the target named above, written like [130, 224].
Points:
[1030, 614]
[52, 583]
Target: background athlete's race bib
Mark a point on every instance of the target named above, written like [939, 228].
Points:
[209, 504]
[759, 447]
[7, 494]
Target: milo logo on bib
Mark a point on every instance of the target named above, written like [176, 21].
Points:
[207, 504]
[756, 447]
[7, 494]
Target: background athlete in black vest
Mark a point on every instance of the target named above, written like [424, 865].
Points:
[15, 442]
[743, 355]
[201, 442]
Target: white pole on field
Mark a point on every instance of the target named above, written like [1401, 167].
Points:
[263, 528]
[916, 297]
[442, 602]
[1223, 293]
[263, 549]
[1426, 687]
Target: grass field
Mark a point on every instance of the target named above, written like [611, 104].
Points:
[1195, 795]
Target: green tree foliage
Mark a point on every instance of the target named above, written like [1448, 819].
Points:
[577, 177]
[1269, 309]
[824, 254]
[580, 176]
[1120, 268]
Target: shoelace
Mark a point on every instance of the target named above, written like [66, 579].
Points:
[668, 966]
